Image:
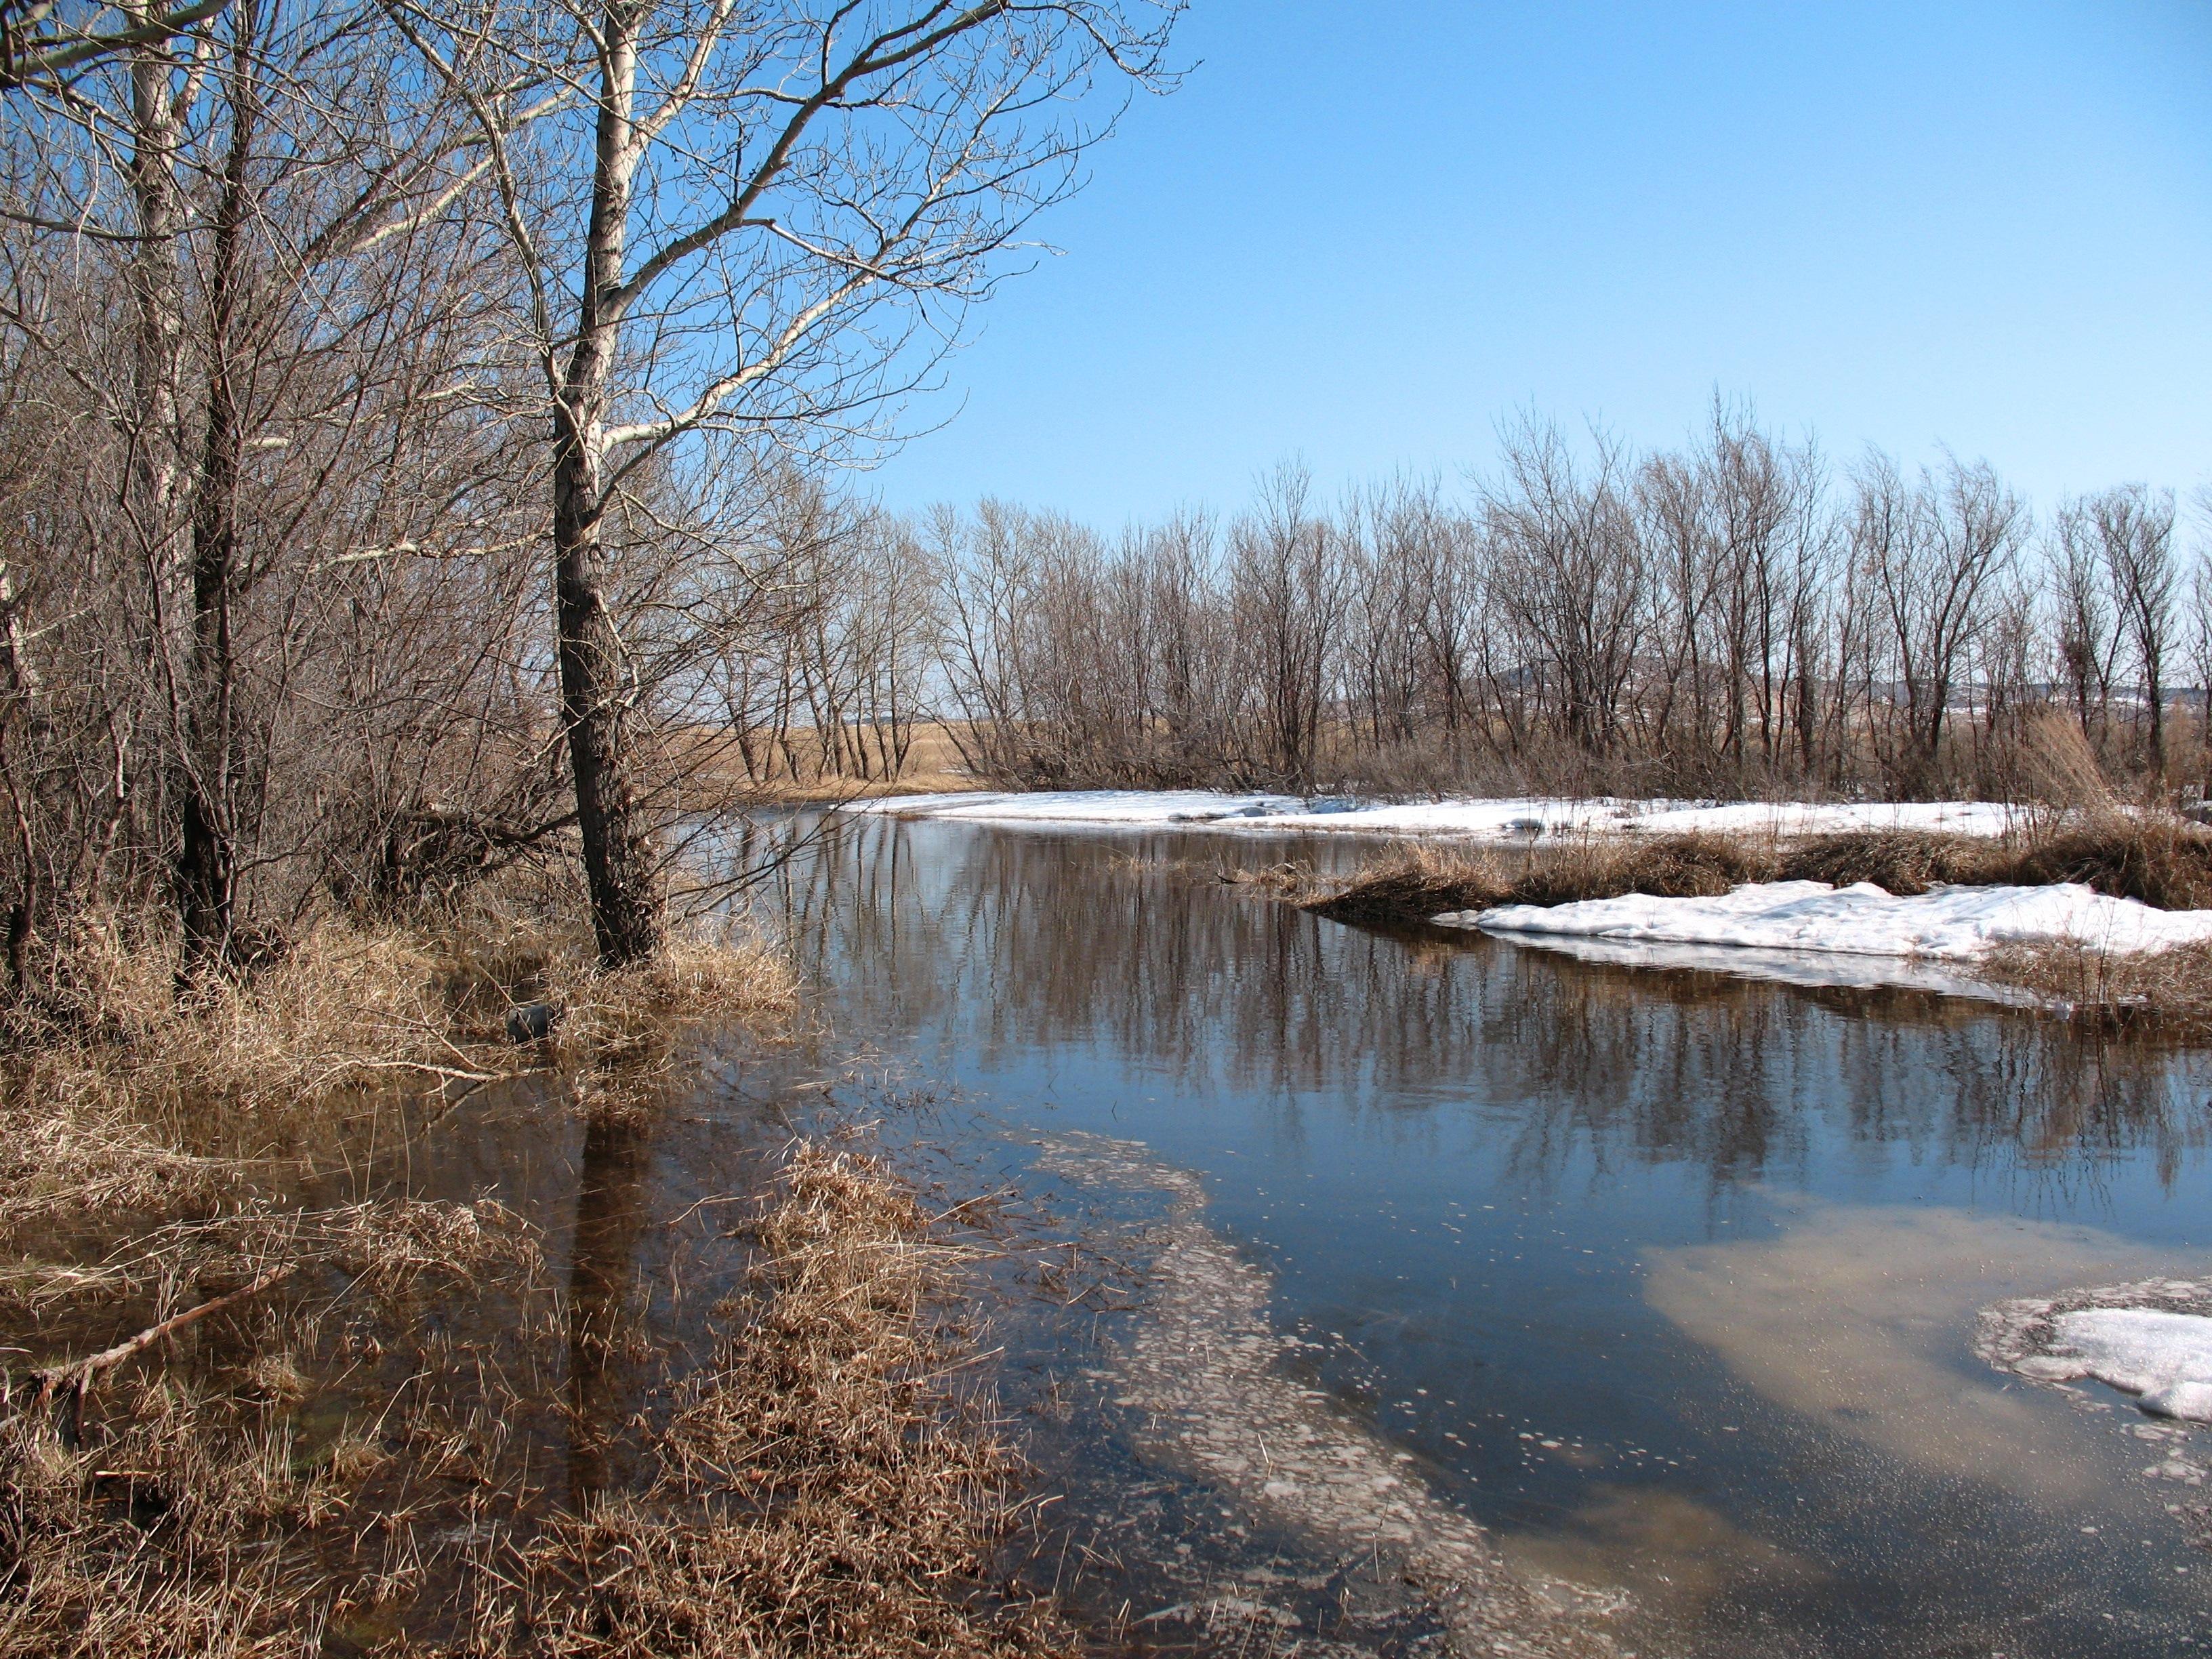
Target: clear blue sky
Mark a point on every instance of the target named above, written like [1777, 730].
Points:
[1362, 232]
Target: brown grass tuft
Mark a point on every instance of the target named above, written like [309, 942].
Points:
[1417, 882]
[826, 1487]
[2171, 990]
[117, 1096]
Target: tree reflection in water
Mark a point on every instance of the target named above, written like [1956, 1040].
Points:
[1002, 942]
[610, 1214]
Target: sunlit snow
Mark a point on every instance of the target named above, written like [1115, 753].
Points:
[2162, 1357]
[1513, 819]
[1950, 924]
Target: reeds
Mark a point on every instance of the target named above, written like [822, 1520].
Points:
[828, 1485]
[2169, 990]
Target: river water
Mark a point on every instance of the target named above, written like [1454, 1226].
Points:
[1667, 1279]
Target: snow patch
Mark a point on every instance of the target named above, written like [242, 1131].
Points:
[2151, 1339]
[2164, 1359]
[1949, 924]
[1514, 819]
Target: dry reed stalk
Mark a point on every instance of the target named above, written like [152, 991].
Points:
[2168, 990]
[628, 1018]
[827, 1487]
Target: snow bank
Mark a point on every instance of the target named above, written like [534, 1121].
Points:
[1525, 818]
[1950, 924]
[2151, 1339]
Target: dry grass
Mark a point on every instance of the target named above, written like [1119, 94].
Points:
[1414, 882]
[170, 1509]
[826, 1488]
[713, 771]
[117, 1095]
[2158, 859]
[152, 1150]
[826, 1485]
[2170, 990]
[152, 1542]
[627, 1021]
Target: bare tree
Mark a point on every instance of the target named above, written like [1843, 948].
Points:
[2134, 528]
[48, 42]
[2087, 639]
[1732, 623]
[1933, 552]
[746, 224]
[1567, 569]
[275, 320]
[1290, 591]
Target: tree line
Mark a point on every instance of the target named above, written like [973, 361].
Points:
[421, 445]
[412, 417]
[1737, 617]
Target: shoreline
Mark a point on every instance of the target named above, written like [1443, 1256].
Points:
[344, 1398]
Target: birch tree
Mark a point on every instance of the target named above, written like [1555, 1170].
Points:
[753, 224]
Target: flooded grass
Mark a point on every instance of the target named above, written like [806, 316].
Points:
[243, 1418]
[827, 1483]
[414, 1438]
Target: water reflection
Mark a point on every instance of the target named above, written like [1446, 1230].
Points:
[1667, 1276]
[610, 1214]
[1847, 1319]
[1010, 941]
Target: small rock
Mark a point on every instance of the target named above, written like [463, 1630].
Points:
[530, 1022]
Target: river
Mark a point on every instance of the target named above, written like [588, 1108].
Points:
[1666, 1280]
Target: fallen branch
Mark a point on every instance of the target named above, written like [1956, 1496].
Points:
[63, 1387]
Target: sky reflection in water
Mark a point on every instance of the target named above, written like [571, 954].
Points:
[1668, 1276]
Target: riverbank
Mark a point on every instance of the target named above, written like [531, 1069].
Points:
[2051, 910]
[2166, 863]
[279, 1375]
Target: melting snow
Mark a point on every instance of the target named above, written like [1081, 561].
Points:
[2152, 1339]
[1526, 819]
[2162, 1357]
[1952, 924]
